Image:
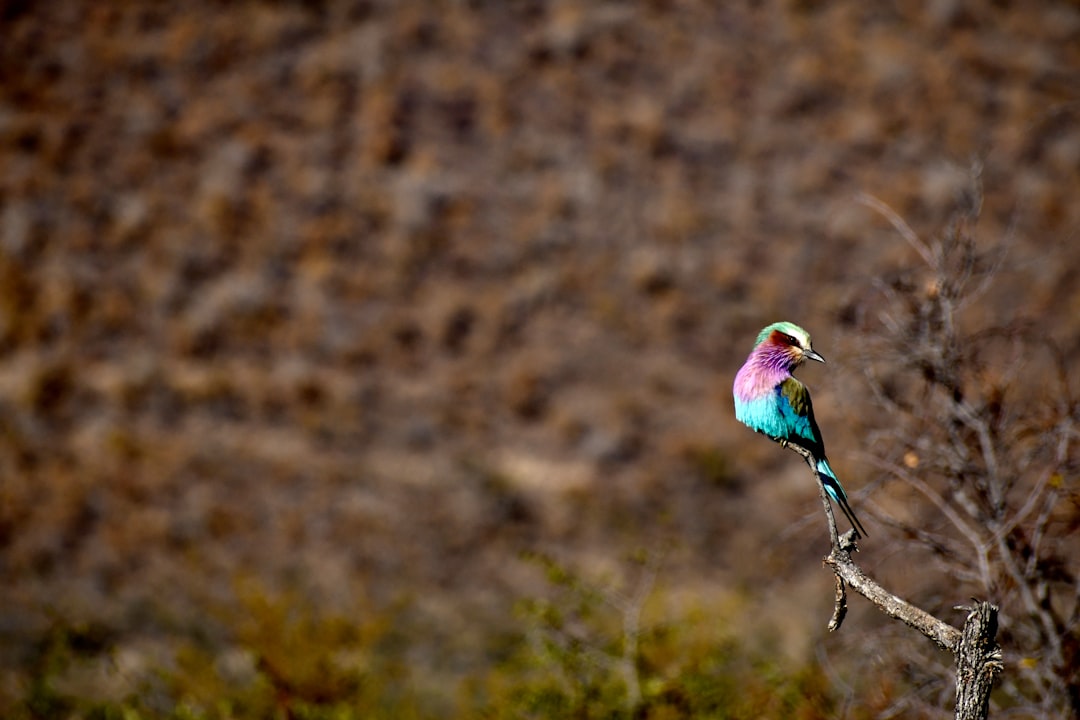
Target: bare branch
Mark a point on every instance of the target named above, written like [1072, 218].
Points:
[632, 609]
[977, 542]
[943, 546]
[839, 606]
[898, 223]
[812, 463]
[986, 444]
[978, 658]
[942, 634]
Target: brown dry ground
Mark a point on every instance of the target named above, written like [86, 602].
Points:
[365, 299]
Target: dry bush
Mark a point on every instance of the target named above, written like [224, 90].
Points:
[974, 425]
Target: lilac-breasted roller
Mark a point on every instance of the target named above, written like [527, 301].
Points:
[771, 401]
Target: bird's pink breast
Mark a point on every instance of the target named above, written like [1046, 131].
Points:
[762, 372]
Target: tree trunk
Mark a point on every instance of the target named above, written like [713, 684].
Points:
[978, 660]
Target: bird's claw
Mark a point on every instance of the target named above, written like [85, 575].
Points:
[775, 438]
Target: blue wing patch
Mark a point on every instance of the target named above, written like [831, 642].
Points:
[796, 411]
[785, 414]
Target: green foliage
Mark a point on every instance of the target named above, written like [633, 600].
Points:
[62, 647]
[581, 649]
[282, 658]
[290, 659]
[572, 662]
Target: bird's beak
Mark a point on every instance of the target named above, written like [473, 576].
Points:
[813, 356]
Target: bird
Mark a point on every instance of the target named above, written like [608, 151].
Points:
[771, 401]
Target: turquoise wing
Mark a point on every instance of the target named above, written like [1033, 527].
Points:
[797, 411]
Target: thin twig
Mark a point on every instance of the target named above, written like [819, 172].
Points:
[898, 223]
[980, 546]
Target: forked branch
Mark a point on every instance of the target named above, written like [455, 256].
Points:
[978, 658]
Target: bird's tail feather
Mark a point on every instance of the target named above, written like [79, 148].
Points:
[836, 492]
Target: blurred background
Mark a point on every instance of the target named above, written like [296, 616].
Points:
[373, 358]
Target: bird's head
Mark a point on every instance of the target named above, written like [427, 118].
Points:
[790, 339]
